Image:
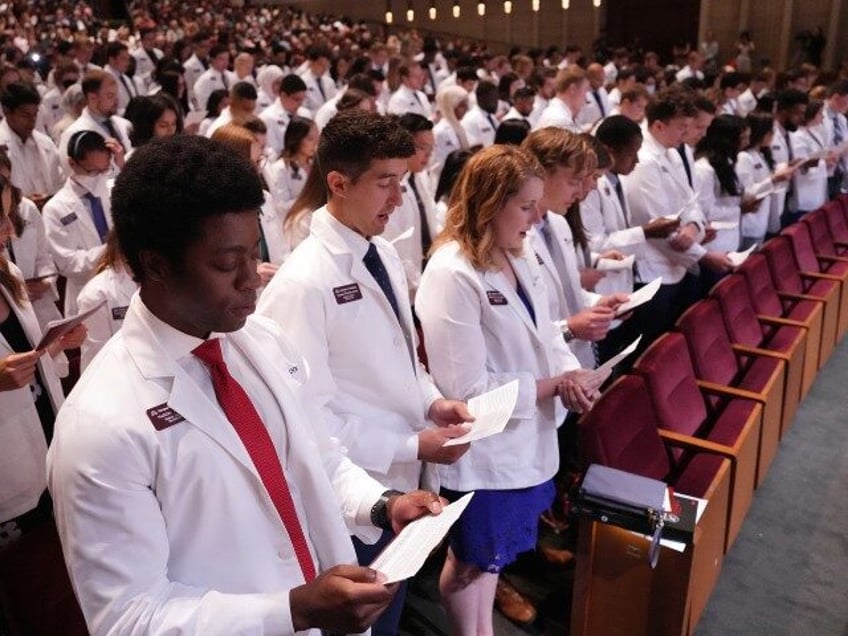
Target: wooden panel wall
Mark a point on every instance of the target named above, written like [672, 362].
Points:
[773, 23]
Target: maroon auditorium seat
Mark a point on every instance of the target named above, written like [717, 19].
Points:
[824, 274]
[684, 408]
[750, 334]
[735, 374]
[822, 237]
[615, 590]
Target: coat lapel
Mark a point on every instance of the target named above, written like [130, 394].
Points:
[495, 281]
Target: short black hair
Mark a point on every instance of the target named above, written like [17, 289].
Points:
[840, 87]
[169, 187]
[704, 105]
[512, 132]
[791, 97]
[114, 49]
[669, 104]
[415, 123]
[292, 84]
[216, 50]
[243, 90]
[316, 52]
[82, 142]
[19, 94]
[618, 132]
[354, 138]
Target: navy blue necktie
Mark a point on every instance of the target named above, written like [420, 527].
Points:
[98, 216]
[682, 151]
[374, 264]
[113, 132]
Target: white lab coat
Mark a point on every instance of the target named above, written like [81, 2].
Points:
[480, 127]
[405, 100]
[285, 183]
[810, 186]
[658, 187]
[591, 113]
[480, 336]
[445, 141]
[373, 399]
[565, 297]
[314, 97]
[87, 121]
[717, 205]
[32, 256]
[558, 115]
[780, 153]
[22, 443]
[406, 216]
[116, 287]
[272, 220]
[755, 176]
[73, 239]
[605, 222]
[211, 80]
[277, 120]
[36, 166]
[172, 531]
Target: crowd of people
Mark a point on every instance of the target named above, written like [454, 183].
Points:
[306, 248]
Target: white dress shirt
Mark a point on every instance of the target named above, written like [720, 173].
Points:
[405, 100]
[36, 165]
[480, 127]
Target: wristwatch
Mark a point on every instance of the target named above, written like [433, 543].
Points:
[380, 510]
[567, 333]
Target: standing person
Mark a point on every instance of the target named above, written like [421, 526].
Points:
[409, 98]
[155, 116]
[30, 395]
[36, 167]
[484, 312]
[117, 64]
[353, 322]
[214, 77]
[78, 219]
[448, 133]
[657, 187]
[278, 115]
[101, 102]
[287, 175]
[319, 85]
[810, 182]
[570, 98]
[836, 134]
[789, 112]
[113, 284]
[479, 122]
[200, 492]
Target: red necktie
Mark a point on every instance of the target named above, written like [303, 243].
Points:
[246, 421]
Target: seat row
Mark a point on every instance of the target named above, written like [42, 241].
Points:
[704, 409]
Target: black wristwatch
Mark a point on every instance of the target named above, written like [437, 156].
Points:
[380, 510]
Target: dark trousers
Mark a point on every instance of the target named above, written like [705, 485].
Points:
[387, 624]
[658, 315]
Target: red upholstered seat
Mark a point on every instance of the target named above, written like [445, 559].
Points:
[732, 425]
[821, 235]
[736, 374]
[837, 222]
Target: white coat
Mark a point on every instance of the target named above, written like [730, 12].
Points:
[172, 531]
[315, 98]
[116, 287]
[591, 113]
[405, 100]
[32, 256]
[406, 215]
[285, 182]
[276, 121]
[658, 187]
[780, 152]
[211, 80]
[87, 121]
[36, 165]
[755, 176]
[558, 115]
[480, 127]
[717, 205]
[606, 222]
[73, 238]
[480, 336]
[445, 141]
[192, 69]
[22, 443]
[810, 186]
[363, 379]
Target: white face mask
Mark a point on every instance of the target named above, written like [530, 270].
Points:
[651, 88]
[92, 183]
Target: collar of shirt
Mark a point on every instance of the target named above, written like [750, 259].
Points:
[7, 133]
[175, 344]
[356, 243]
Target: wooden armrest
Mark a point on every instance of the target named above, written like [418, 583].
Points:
[831, 258]
[791, 296]
[729, 391]
[756, 351]
[687, 442]
[820, 276]
[839, 243]
[777, 320]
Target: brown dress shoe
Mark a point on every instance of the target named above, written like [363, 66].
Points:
[555, 556]
[512, 604]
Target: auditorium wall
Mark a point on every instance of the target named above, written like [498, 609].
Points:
[774, 24]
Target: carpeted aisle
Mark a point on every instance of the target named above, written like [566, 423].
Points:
[787, 574]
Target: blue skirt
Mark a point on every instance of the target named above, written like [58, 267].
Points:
[498, 525]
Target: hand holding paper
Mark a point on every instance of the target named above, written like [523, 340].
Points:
[404, 556]
[737, 258]
[58, 328]
[491, 413]
[640, 297]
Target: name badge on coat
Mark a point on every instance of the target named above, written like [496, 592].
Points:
[163, 416]
[68, 218]
[347, 293]
[118, 313]
[495, 297]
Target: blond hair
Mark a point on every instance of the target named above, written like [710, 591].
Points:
[554, 147]
[489, 178]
